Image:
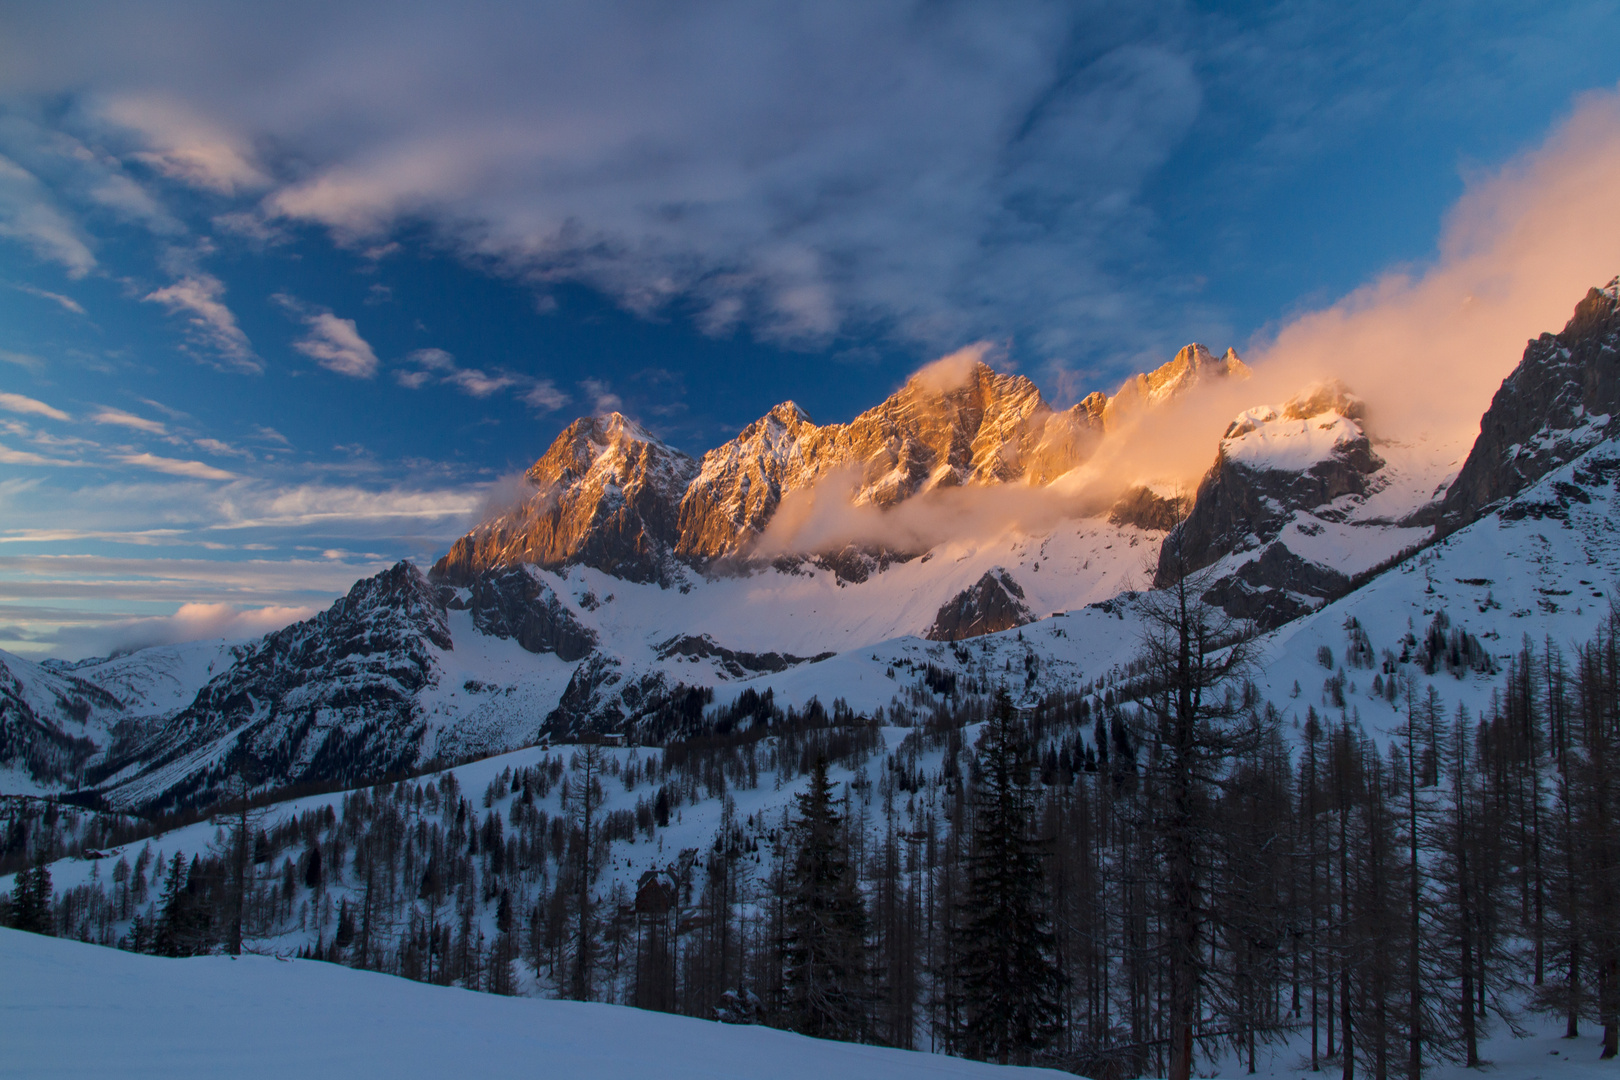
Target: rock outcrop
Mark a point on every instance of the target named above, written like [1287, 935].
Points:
[1562, 399]
[511, 602]
[995, 602]
[1276, 465]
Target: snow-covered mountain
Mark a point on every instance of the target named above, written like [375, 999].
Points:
[56, 717]
[631, 579]
[1300, 501]
[609, 495]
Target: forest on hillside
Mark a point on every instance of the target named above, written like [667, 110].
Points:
[1116, 882]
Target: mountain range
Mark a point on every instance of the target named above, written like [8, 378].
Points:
[963, 524]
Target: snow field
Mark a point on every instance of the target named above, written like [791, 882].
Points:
[75, 1010]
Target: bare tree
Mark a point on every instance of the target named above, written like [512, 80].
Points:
[584, 799]
[1195, 720]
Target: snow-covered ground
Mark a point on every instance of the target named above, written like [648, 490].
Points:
[74, 1010]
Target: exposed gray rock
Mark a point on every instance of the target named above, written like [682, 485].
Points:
[739, 665]
[1276, 587]
[1140, 507]
[994, 603]
[512, 603]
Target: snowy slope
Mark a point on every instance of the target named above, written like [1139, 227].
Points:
[1544, 567]
[70, 1009]
[159, 679]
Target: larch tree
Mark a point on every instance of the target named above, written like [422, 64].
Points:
[1194, 717]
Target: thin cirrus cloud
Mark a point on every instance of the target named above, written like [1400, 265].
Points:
[67, 303]
[29, 215]
[8, 456]
[120, 418]
[332, 342]
[435, 366]
[211, 327]
[194, 470]
[27, 406]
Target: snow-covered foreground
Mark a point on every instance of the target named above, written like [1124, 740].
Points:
[69, 1009]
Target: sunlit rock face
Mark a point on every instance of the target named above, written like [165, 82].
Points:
[941, 430]
[1562, 399]
[609, 495]
[1193, 365]
[606, 496]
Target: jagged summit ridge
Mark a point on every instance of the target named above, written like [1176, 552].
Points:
[606, 496]
[610, 495]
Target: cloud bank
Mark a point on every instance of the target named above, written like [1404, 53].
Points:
[930, 171]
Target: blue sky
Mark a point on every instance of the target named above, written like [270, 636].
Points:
[285, 288]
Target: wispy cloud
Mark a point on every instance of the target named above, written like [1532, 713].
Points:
[221, 449]
[435, 366]
[211, 326]
[120, 418]
[183, 145]
[67, 302]
[9, 456]
[29, 215]
[22, 360]
[196, 470]
[334, 343]
[28, 406]
[601, 396]
[544, 396]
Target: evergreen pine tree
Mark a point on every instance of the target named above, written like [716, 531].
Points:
[826, 969]
[1010, 982]
[31, 895]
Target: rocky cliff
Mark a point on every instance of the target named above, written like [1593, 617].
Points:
[1562, 399]
[1296, 466]
[606, 495]
[331, 698]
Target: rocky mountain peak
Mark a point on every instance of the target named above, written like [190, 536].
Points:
[1297, 463]
[606, 496]
[1193, 365]
[1563, 398]
[1328, 399]
[611, 495]
[611, 439]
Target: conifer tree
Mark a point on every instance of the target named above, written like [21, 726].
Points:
[1010, 982]
[31, 895]
[1194, 658]
[825, 977]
